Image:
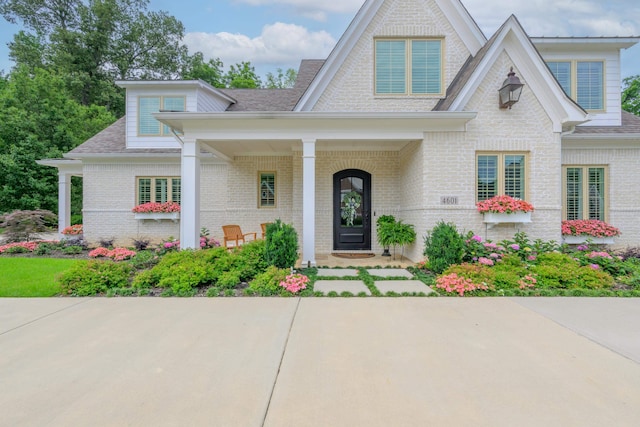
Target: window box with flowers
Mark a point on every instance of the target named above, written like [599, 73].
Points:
[157, 211]
[578, 231]
[505, 209]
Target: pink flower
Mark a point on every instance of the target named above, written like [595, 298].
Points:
[485, 261]
[295, 282]
[157, 207]
[477, 238]
[73, 230]
[504, 204]
[588, 227]
[595, 266]
[515, 247]
[454, 283]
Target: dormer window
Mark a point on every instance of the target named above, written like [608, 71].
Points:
[583, 81]
[408, 67]
[147, 105]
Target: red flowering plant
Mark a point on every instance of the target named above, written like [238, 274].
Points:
[154, 207]
[504, 204]
[73, 230]
[588, 227]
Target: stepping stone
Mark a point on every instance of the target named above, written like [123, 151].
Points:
[337, 272]
[389, 272]
[339, 286]
[400, 286]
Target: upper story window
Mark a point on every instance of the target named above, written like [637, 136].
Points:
[501, 173]
[408, 67]
[147, 105]
[583, 81]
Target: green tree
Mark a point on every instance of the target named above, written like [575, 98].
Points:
[242, 76]
[282, 80]
[39, 120]
[210, 71]
[93, 43]
[631, 95]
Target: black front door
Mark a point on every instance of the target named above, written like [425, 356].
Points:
[352, 210]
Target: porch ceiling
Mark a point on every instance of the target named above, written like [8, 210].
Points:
[232, 134]
[230, 149]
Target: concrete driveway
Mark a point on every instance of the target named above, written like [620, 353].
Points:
[319, 362]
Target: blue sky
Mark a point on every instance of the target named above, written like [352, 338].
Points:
[279, 33]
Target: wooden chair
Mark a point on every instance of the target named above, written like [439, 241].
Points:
[233, 234]
[264, 229]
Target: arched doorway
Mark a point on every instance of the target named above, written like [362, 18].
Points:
[352, 210]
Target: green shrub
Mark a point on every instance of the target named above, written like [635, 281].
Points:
[94, 277]
[268, 283]
[477, 273]
[281, 245]
[44, 249]
[179, 270]
[16, 250]
[144, 259]
[249, 260]
[22, 226]
[443, 246]
[228, 280]
[557, 270]
[72, 250]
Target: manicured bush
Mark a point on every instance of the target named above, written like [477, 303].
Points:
[268, 283]
[281, 245]
[249, 260]
[94, 277]
[443, 246]
[560, 271]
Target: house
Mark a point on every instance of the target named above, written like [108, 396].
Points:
[402, 118]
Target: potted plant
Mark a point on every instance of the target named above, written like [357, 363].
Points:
[157, 211]
[579, 231]
[503, 208]
[396, 233]
[384, 232]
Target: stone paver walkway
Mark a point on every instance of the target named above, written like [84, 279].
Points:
[357, 286]
[339, 286]
[401, 286]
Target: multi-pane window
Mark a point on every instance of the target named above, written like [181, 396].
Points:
[501, 173]
[267, 190]
[585, 191]
[158, 189]
[408, 67]
[581, 80]
[147, 105]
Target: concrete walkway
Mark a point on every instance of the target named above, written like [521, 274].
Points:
[319, 362]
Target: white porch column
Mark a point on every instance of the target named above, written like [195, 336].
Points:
[308, 202]
[64, 201]
[190, 195]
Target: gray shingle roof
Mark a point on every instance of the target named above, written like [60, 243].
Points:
[275, 99]
[630, 125]
[112, 140]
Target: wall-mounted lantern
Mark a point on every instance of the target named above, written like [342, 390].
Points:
[510, 91]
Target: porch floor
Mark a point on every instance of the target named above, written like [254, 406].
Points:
[329, 260]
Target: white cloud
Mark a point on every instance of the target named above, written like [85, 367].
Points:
[560, 17]
[282, 45]
[313, 9]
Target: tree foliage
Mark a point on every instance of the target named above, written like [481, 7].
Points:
[282, 80]
[631, 95]
[242, 76]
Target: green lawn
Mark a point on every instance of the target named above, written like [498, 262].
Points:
[31, 277]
